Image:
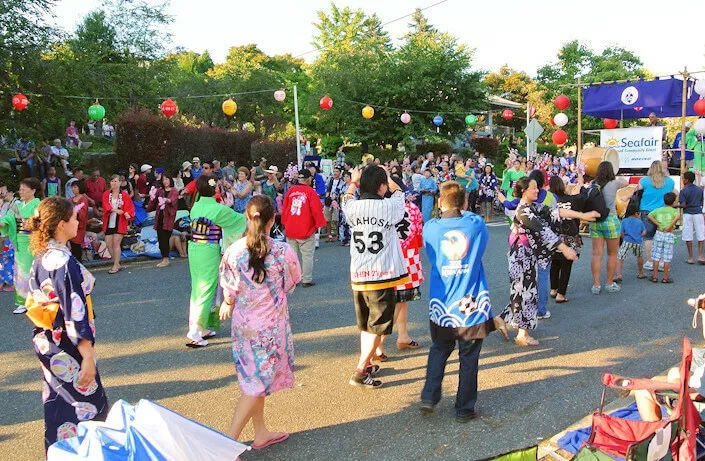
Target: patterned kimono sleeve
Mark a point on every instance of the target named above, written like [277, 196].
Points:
[292, 270]
[531, 217]
[229, 275]
[69, 284]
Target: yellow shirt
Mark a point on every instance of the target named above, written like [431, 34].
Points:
[365, 157]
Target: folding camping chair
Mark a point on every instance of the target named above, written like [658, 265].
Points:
[673, 438]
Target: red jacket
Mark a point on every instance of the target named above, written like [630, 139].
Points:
[127, 206]
[302, 212]
[81, 203]
[169, 210]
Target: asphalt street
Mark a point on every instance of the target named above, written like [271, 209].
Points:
[526, 394]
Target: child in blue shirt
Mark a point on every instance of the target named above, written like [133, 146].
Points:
[633, 232]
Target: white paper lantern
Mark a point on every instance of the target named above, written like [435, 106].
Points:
[279, 95]
[700, 87]
[700, 125]
[560, 119]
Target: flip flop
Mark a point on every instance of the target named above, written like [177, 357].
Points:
[281, 438]
[526, 342]
[111, 271]
[654, 280]
[196, 344]
[380, 358]
[690, 262]
[209, 335]
[412, 345]
[561, 301]
[643, 276]
[668, 280]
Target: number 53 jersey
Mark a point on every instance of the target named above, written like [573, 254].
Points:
[376, 260]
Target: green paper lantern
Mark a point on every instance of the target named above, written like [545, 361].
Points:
[470, 120]
[96, 112]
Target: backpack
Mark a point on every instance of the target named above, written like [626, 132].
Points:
[596, 202]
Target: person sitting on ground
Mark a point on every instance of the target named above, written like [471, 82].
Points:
[24, 154]
[665, 219]
[72, 135]
[61, 154]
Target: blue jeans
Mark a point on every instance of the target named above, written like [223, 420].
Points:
[543, 286]
[469, 355]
[30, 166]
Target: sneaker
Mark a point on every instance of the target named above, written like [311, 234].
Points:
[20, 310]
[466, 417]
[364, 380]
[595, 290]
[427, 407]
[373, 370]
[546, 315]
[648, 266]
[614, 288]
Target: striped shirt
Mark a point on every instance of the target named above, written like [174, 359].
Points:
[376, 260]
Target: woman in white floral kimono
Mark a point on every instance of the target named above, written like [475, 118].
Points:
[533, 235]
[59, 305]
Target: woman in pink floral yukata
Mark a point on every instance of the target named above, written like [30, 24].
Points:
[256, 274]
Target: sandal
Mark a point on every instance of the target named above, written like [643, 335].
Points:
[617, 280]
[211, 334]
[380, 358]
[561, 301]
[553, 293]
[642, 276]
[668, 280]
[412, 345]
[196, 344]
[654, 280]
[113, 271]
[528, 341]
[281, 438]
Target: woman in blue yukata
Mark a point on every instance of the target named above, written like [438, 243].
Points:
[59, 305]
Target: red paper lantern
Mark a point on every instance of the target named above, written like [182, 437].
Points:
[559, 137]
[699, 107]
[326, 102]
[20, 101]
[553, 122]
[610, 123]
[279, 95]
[169, 107]
[562, 102]
[507, 114]
[532, 111]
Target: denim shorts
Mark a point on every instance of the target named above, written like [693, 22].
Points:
[650, 227]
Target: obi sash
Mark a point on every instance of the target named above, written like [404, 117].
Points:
[43, 314]
[20, 226]
[204, 231]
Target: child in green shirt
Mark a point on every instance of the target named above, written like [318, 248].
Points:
[665, 218]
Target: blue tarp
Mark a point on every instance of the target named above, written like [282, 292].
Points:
[638, 99]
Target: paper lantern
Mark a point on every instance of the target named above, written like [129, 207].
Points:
[700, 87]
[326, 102]
[20, 101]
[169, 107]
[560, 119]
[279, 95]
[470, 120]
[559, 137]
[438, 120]
[562, 102]
[553, 122]
[96, 112]
[532, 111]
[405, 118]
[507, 114]
[699, 125]
[229, 107]
[699, 107]
[610, 123]
[368, 112]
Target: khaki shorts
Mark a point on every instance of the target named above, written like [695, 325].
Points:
[331, 214]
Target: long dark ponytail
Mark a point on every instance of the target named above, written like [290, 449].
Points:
[259, 212]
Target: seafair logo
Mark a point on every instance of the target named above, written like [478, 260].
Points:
[626, 143]
[630, 95]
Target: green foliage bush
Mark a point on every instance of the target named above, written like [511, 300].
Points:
[438, 148]
[487, 146]
[330, 144]
[143, 137]
[279, 153]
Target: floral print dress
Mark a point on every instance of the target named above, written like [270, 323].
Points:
[488, 187]
[533, 237]
[59, 283]
[263, 347]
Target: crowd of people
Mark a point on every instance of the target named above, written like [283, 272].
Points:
[250, 235]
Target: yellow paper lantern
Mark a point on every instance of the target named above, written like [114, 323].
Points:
[368, 112]
[229, 107]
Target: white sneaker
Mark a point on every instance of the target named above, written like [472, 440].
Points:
[20, 310]
[614, 288]
[547, 315]
[649, 266]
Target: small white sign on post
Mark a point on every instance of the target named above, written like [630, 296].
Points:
[638, 147]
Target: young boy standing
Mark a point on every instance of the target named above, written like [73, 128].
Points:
[376, 262]
[665, 218]
[460, 308]
[632, 233]
[691, 200]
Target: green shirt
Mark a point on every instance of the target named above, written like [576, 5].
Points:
[664, 216]
[510, 177]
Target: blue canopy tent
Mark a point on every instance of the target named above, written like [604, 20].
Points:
[638, 99]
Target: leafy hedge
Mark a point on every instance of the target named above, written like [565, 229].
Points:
[487, 146]
[143, 137]
[279, 153]
[439, 149]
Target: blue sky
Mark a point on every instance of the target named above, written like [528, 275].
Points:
[523, 34]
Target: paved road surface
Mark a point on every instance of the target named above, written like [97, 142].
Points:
[526, 393]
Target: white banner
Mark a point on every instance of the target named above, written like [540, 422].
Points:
[637, 146]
